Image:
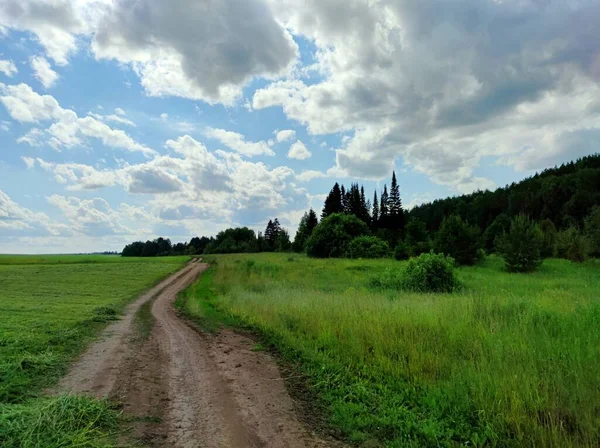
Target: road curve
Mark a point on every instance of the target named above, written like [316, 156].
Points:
[188, 389]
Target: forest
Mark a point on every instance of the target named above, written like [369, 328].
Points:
[558, 208]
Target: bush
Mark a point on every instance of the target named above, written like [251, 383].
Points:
[430, 273]
[458, 240]
[570, 244]
[521, 246]
[425, 273]
[367, 247]
[402, 251]
[333, 235]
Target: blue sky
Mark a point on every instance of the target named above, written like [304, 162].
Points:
[182, 118]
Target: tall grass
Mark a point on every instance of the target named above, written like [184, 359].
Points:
[511, 360]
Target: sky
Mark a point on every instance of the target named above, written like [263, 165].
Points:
[129, 120]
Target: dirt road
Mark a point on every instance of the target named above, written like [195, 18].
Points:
[188, 389]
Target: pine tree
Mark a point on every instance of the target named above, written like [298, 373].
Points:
[384, 208]
[271, 234]
[312, 222]
[375, 209]
[345, 204]
[365, 215]
[333, 203]
[305, 229]
[396, 212]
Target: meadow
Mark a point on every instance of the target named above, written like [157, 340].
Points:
[511, 360]
[50, 308]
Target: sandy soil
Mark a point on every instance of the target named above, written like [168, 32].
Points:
[189, 389]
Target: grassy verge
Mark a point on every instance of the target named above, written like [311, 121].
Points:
[511, 360]
[50, 308]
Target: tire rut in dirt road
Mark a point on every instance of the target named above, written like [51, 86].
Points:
[189, 389]
[96, 371]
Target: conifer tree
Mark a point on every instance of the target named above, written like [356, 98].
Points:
[333, 203]
[383, 208]
[396, 212]
[375, 216]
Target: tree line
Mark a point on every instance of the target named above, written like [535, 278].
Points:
[556, 211]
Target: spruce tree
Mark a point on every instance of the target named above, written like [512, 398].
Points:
[375, 209]
[365, 215]
[333, 203]
[395, 205]
[384, 208]
[345, 199]
[312, 222]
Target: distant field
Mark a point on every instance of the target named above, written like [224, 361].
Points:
[50, 306]
[512, 360]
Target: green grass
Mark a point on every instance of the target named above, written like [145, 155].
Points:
[510, 360]
[50, 308]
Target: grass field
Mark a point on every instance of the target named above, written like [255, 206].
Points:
[511, 360]
[50, 307]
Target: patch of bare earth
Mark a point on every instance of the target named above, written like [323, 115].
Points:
[185, 388]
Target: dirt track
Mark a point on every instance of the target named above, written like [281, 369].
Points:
[187, 389]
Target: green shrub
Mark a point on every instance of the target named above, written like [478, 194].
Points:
[367, 247]
[570, 244]
[521, 246]
[402, 251]
[425, 273]
[333, 235]
[430, 273]
[458, 240]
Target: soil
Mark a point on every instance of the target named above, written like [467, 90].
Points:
[185, 388]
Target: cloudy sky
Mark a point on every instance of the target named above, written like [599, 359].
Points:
[123, 120]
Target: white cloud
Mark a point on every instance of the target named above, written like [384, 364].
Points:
[55, 23]
[16, 220]
[196, 50]
[454, 82]
[67, 129]
[238, 143]
[285, 135]
[43, 72]
[299, 151]
[91, 217]
[29, 162]
[164, 116]
[8, 68]
[33, 137]
[309, 175]
[112, 117]
[119, 111]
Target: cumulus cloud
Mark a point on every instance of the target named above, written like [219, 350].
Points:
[299, 151]
[68, 129]
[55, 23]
[454, 81]
[238, 143]
[285, 135]
[90, 217]
[43, 72]
[8, 68]
[16, 220]
[196, 50]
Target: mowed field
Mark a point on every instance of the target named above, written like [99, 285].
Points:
[50, 307]
[511, 360]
